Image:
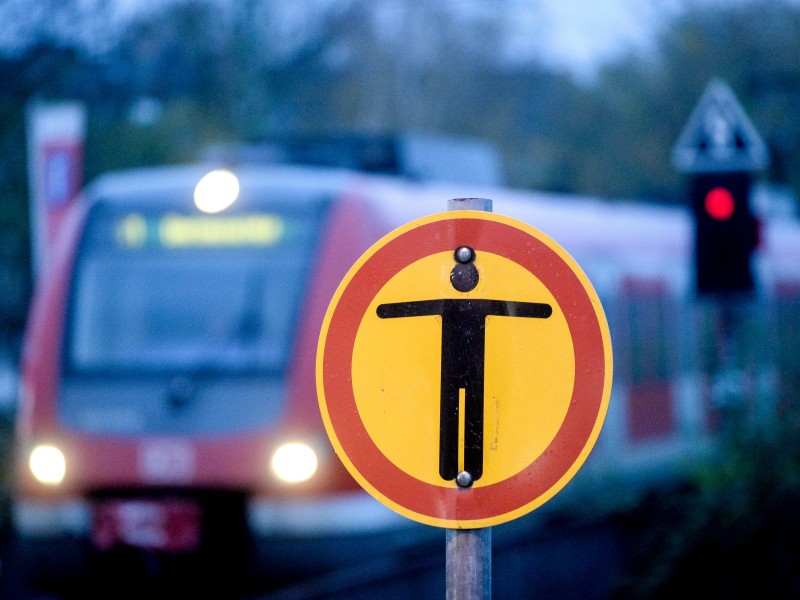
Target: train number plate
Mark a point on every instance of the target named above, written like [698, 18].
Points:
[171, 525]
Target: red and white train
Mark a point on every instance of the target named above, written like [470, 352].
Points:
[168, 405]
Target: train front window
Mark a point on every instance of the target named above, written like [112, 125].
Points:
[179, 292]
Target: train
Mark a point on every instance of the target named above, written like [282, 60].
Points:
[168, 414]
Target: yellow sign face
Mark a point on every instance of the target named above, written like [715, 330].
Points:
[524, 400]
[464, 369]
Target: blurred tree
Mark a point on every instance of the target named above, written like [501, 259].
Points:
[642, 102]
[177, 52]
[73, 23]
[173, 77]
[754, 46]
[732, 533]
[154, 133]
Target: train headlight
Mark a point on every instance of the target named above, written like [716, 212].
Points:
[216, 191]
[47, 464]
[294, 462]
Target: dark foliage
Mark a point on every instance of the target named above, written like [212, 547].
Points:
[731, 532]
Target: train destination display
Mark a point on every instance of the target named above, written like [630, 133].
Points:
[464, 369]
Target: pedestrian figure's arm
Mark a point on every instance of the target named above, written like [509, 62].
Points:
[419, 308]
[511, 308]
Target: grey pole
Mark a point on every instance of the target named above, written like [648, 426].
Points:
[469, 563]
[469, 551]
[484, 204]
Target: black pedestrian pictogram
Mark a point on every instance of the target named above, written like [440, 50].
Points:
[463, 357]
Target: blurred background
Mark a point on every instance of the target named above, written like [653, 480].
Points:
[579, 98]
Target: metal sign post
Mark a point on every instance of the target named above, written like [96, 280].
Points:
[468, 552]
[469, 563]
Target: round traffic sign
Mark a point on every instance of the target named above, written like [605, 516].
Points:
[464, 369]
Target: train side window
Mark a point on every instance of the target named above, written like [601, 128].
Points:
[787, 327]
[647, 344]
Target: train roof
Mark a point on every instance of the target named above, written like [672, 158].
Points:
[588, 224]
[138, 184]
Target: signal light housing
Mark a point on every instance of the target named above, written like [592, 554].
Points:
[726, 232]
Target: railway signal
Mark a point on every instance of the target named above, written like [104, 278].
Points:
[720, 149]
[726, 232]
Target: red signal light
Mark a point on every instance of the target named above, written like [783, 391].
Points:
[719, 203]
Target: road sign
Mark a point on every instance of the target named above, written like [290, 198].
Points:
[464, 369]
[56, 133]
[718, 137]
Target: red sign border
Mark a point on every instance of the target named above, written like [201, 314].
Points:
[589, 397]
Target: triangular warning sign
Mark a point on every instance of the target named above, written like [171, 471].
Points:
[719, 136]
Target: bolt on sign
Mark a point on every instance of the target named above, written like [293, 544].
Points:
[464, 369]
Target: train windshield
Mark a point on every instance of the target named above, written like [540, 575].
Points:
[172, 292]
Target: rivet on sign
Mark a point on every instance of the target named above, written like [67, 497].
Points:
[464, 479]
[465, 254]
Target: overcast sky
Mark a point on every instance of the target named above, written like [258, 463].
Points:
[587, 32]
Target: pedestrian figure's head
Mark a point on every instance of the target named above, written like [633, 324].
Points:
[464, 276]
